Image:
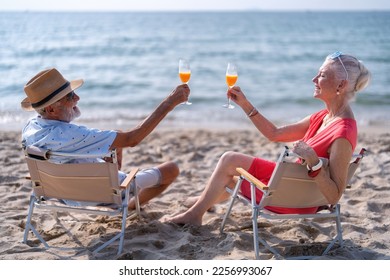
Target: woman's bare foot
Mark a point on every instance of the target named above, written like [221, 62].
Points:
[192, 200]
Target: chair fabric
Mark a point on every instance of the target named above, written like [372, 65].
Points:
[290, 187]
[94, 185]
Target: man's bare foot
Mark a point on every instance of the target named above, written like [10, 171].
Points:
[189, 202]
[183, 219]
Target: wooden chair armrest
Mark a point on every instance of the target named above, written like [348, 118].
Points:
[126, 182]
[252, 179]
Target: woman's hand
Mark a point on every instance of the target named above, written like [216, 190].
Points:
[306, 152]
[237, 96]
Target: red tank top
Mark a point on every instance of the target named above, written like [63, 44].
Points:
[320, 142]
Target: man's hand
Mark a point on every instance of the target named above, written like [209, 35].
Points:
[179, 95]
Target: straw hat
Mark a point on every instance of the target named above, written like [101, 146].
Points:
[46, 88]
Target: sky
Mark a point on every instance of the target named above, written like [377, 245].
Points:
[191, 5]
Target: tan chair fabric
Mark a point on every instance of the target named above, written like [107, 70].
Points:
[92, 182]
[82, 182]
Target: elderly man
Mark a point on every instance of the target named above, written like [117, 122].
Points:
[54, 99]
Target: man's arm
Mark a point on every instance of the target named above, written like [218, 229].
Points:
[136, 135]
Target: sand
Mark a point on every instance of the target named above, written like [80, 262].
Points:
[365, 207]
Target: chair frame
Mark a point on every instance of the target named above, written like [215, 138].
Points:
[269, 194]
[45, 195]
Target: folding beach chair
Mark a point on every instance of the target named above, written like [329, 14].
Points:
[84, 183]
[290, 187]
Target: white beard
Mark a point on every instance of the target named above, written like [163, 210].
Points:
[75, 114]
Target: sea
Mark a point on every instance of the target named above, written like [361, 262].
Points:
[129, 62]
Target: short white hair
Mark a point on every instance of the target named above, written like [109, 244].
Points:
[359, 76]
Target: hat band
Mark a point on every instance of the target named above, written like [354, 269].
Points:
[50, 96]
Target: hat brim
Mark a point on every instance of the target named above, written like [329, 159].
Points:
[75, 84]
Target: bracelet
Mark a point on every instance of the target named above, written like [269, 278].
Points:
[252, 112]
[315, 167]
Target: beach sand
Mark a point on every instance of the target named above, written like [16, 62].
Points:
[365, 207]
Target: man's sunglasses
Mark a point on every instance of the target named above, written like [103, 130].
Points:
[70, 96]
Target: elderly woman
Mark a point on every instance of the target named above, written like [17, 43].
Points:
[330, 133]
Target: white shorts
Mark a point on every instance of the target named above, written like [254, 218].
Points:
[146, 178]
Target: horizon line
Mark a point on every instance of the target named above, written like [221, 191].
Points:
[201, 10]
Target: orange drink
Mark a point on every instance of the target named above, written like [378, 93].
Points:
[231, 80]
[184, 73]
[184, 76]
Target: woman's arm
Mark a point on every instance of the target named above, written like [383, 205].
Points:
[332, 180]
[287, 133]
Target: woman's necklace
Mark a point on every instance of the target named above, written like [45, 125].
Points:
[327, 120]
